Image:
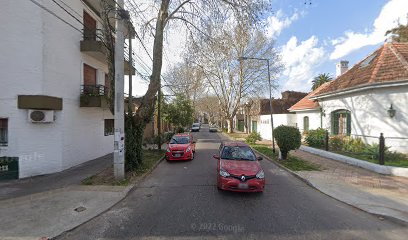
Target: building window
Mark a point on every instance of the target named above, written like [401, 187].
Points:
[109, 127]
[306, 124]
[341, 122]
[3, 131]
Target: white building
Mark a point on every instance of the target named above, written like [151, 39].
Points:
[53, 71]
[369, 99]
[281, 116]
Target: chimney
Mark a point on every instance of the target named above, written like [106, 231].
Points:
[341, 67]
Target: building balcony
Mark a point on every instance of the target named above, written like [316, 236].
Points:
[93, 96]
[93, 45]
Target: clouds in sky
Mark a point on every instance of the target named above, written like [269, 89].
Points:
[277, 22]
[300, 60]
[393, 12]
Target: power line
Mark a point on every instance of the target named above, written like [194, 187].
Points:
[55, 15]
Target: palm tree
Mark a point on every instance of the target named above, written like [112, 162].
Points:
[320, 80]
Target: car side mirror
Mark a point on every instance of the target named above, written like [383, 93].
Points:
[259, 158]
[216, 156]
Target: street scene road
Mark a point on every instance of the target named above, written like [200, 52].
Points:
[180, 200]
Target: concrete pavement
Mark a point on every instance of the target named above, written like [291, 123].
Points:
[375, 193]
[372, 192]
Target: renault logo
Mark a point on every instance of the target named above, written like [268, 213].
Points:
[243, 178]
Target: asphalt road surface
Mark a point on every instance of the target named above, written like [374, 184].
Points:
[179, 200]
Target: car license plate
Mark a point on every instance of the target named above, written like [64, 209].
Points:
[243, 186]
[177, 155]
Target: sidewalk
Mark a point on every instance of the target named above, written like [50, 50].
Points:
[375, 193]
[46, 206]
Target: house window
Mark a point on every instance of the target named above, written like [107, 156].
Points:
[306, 124]
[109, 127]
[3, 131]
[341, 122]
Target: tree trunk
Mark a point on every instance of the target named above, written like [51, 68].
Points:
[284, 154]
[229, 122]
[145, 111]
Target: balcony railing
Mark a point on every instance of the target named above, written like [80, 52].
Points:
[93, 90]
[92, 34]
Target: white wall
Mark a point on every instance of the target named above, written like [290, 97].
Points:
[369, 114]
[314, 119]
[264, 125]
[41, 55]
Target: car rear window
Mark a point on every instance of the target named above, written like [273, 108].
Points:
[238, 153]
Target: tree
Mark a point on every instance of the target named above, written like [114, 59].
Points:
[184, 78]
[209, 104]
[401, 33]
[288, 138]
[320, 80]
[229, 79]
[194, 15]
[179, 112]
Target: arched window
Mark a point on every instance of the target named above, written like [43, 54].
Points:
[341, 122]
[306, 124]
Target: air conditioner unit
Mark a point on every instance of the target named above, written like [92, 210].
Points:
[41, 116]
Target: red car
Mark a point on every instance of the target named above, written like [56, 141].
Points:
[180, 147]
[238, 168]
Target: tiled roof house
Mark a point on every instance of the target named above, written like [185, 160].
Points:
[369, 99]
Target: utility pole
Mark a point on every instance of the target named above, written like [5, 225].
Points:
[159, 116]
[119, 141]
[130, 100]
[270, 105]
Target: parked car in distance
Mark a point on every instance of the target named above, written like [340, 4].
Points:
[195, 127]
[238, 168]
[213, 128]
[180, 147]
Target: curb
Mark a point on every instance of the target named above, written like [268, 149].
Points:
[125, 192]
[293, 173]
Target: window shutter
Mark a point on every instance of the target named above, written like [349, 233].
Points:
[348, 123]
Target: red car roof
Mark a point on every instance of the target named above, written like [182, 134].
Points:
[182, 135]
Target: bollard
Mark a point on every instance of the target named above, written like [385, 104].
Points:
[381, 149]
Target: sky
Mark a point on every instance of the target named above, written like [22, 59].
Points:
[311, 38]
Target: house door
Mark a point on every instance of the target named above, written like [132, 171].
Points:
[241, 125]
[89, 27]
[254, 126]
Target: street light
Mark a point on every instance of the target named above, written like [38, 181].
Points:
[270, 92]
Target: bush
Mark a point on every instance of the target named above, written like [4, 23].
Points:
[288, 138]
[253, 137]
[336, 143]
[353, 145]
[315, 138]
[180, 130]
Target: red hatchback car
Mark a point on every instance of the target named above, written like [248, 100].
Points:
[238, 168]
[180, 147]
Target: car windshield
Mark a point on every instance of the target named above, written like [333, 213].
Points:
[238, 153]
[179, 140]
